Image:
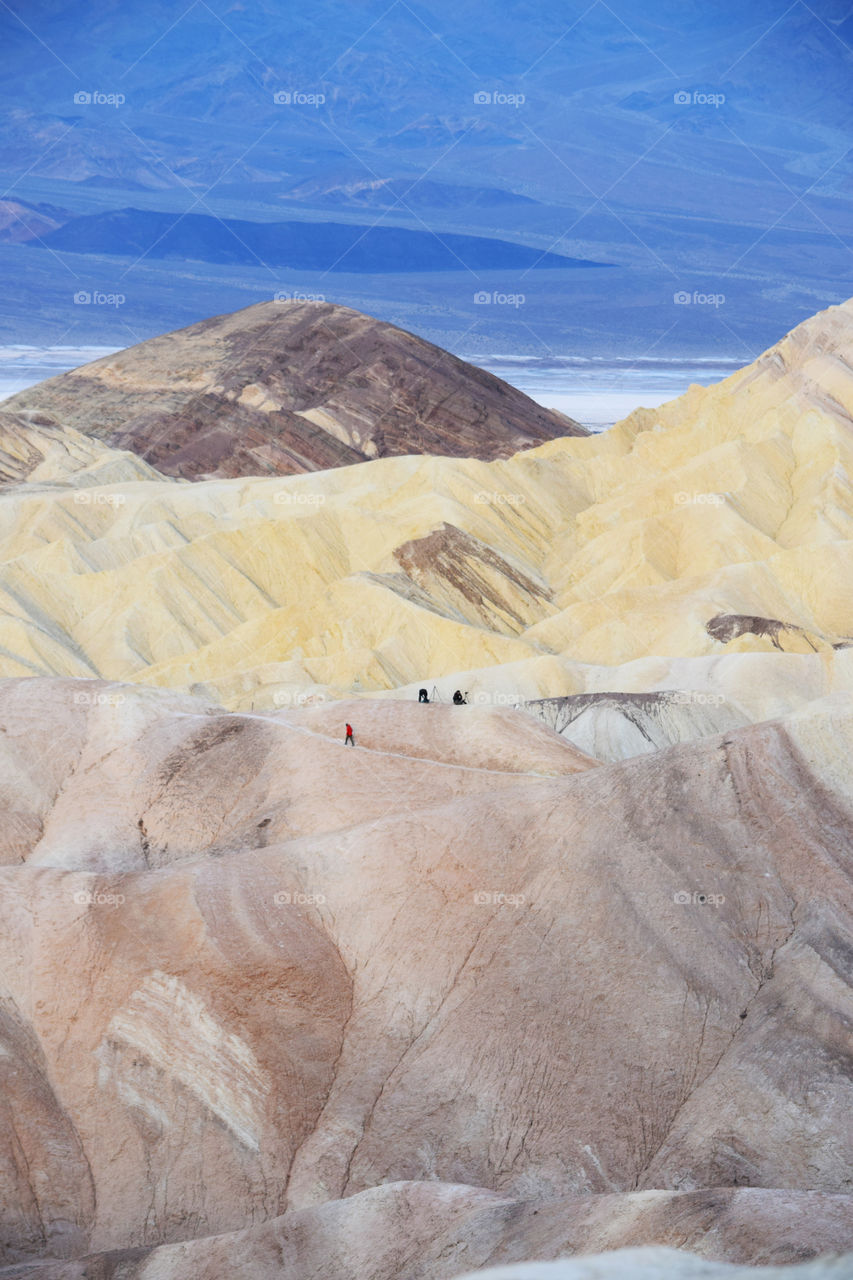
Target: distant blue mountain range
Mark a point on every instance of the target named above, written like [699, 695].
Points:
[704, 150]
[303, 246]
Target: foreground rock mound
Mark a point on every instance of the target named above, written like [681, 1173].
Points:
[613, 726]
[286, 387]
[448, 1226]
[250, 970]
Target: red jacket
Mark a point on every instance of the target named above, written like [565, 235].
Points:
[349, 730]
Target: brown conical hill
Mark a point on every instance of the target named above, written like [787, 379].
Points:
[286, 387]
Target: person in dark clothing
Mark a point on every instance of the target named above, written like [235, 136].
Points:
[423, 695]
[458, 700]
[349, 740]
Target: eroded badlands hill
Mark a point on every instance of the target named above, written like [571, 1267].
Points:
[718, 526]
[472, 992]
[248, 969]
[37, 450]
[286, 387]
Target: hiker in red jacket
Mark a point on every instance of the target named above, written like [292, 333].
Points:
[349, 740]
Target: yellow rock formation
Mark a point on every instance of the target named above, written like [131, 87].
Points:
[730, 506]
